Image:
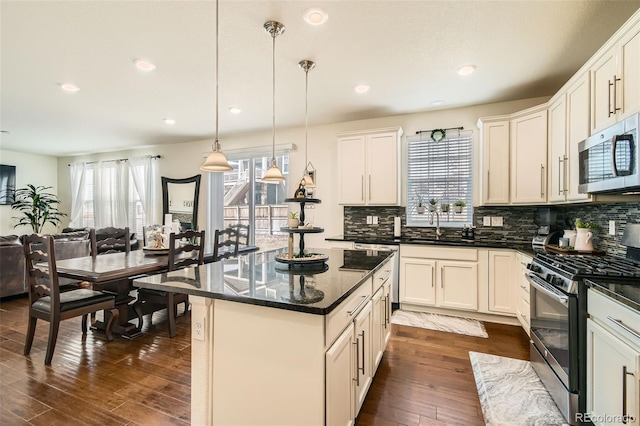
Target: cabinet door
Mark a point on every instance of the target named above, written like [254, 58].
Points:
[629, 52]
[557, 155]
[386, 330]
[577, 131]
[495, 162]
[503, 287]
[339, 364]
[529, 158]
[612, 374]
[351, 170]
[417, 281]
[378, 318]
[381, 181]
[363, 364]
[458, 285]
[602, 81]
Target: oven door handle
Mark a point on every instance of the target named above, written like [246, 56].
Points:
[562, 299]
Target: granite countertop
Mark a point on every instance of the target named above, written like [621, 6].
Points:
[524, 247]
[258, 279]
[625, 292]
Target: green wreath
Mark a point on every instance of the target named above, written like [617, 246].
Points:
[438, 134]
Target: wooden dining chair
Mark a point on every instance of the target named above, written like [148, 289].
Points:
[110, 240]
[243, 233]
[46, 302]
[185, 249]
[225, 244]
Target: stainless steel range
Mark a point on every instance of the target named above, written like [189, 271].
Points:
[558, 320]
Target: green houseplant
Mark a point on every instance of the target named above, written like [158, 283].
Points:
[433, 203]
[588, 225]
[293, 221]
[458, 206]
[37, 207]
[420, 207]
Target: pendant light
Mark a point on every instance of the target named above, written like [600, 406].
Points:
[216, 161]
[273, 175]
[306, 66]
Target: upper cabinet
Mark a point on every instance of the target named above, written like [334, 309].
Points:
[528, 134]
[495, 161]
[369, 167]
[615, 78]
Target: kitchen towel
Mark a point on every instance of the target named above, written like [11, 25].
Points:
[396, 226]
[511, 394]
[445, 323]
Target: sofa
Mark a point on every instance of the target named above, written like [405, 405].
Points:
[13, 272]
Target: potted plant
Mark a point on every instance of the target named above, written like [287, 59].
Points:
[444, 207]
[293, 221]
[37, 207]
[458, 206]
[420, 207]
[433, 204]
[584, 237]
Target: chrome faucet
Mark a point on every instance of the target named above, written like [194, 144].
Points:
[438, 231]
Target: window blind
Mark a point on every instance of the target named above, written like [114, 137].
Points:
[443, 171]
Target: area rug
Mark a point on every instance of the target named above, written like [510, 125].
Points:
[511, 394]
[439, 322]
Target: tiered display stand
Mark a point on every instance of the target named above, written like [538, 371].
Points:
[301, 259]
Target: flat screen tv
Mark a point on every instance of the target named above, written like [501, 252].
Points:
[7, 184]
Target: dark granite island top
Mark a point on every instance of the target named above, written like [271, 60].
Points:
[258, 279]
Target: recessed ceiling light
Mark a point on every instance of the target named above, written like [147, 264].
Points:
[235, 110]
[68, 87]
[170, 121]
[144, 65]
[315, 16]
[361, 88]
[437, 103]
[467, 69]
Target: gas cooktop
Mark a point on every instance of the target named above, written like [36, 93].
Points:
[579, 265]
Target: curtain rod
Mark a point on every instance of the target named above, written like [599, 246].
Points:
[153, 157]
[431, 130]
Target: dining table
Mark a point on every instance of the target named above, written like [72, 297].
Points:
[113, 272]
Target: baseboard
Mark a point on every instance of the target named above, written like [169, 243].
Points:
[480, 316]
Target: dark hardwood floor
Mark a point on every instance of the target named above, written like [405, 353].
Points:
[425, 377]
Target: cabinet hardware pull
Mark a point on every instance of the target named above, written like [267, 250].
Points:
[624, 326]
[362, 187]
[357, 379]
[384, 321]
[624, 394]
[369, 187]
[609, 99]
[560, 161]
[565, 163]
[389, 309]
[433, 277]
[615, 94]
[354, 310]
[363, 349]
[488, 184]
[442, 277]
[542, 180]
[523, 287]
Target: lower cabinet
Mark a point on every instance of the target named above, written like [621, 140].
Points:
[523, 307]
[502, 273]
[363, 362]
[339, 361]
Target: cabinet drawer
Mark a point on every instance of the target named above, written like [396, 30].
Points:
[340, 317]
[614, 316]
[434, 252]
[382, 275]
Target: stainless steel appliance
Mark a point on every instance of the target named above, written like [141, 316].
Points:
[558, 318]
[609, 159]
[395, 289]
[548, 230]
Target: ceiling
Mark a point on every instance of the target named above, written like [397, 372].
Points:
[407, 51]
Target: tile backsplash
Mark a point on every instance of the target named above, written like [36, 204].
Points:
[518, 223]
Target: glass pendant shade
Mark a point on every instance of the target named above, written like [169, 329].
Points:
[216, 162]
[273, 174]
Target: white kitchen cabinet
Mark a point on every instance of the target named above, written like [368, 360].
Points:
[363, 363]
[386, 305]
[557, 140]
[577, 131]
[528, 134]
[339, 361]
[502, 275]
[441, 277]
[615, 80]
[369, 167]
[377, 319]
[613, 362]
[495, 161]
[523, 311]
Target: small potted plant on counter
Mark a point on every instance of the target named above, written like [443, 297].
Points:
[584, 237]
[458, 206]
[444, 207]
[433, 205]
[293, 221]
[420, 207]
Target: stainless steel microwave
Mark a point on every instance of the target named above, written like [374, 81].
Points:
[609, 159]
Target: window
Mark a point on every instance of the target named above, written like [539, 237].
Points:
[442, 171]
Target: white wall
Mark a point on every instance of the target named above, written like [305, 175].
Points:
[183, 160]
[30, 169]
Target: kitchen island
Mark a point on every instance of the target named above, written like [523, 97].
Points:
[278, 346]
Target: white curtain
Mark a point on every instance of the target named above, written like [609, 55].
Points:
[144, 175]
[110, 193]
[78, 174]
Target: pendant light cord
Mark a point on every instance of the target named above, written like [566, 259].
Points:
[273, 131]
[306, 118]
[217, 147]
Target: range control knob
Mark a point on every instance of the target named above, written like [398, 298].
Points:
[532, 267]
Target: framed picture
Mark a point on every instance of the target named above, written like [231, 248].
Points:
[7, 184]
